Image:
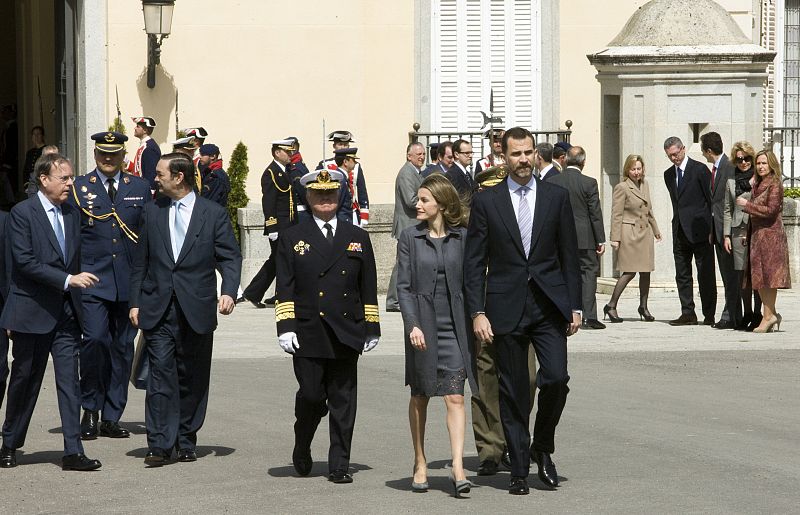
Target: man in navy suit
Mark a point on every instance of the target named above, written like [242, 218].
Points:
[521, 232]
[111, 203]
[43, 311]
[459, 174]
[689, 185]
[173, 298]
[5, 264]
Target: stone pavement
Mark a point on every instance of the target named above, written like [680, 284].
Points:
[659, 419]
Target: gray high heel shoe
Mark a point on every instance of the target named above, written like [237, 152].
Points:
[418, 487]
[460, 487]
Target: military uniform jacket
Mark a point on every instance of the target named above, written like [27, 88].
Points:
[216, 186]
[326, 290]
[107, 251]
[488, 162]
[356, 204]
[278, 200]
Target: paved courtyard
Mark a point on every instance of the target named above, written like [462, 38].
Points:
[659, 419]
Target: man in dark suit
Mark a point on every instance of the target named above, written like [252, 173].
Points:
[585, 199]
[173, 299]
[459, 174]
[5, 273]
[111, 204]
[544, 161]
[722, 170]
[279, 203]
[522, 232]
[327, 314]
[689, 186]
[43, 311]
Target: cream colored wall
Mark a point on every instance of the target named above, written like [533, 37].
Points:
[587, 26]
[257, 71]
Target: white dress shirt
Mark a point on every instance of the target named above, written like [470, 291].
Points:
[104, 180]
[187, 206]
[682, 167]
[320, 223]
[530, 197]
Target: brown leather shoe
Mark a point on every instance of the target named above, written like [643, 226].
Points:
[684, 319]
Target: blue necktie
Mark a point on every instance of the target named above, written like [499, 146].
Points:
[525, 220]
[680, 176]
[59, 230]
[178, 229]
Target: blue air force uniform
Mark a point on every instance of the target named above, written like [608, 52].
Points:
[107, 252]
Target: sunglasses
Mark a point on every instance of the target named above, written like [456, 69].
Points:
[746, 159]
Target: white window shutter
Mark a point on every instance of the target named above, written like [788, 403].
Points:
[480, 46]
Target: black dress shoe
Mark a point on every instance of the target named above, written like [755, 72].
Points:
[393, 309]
[518, 486]
[592, 323]
[301, 459]
[505, 459]
[487, 468]
[79, 462]
[684, 319]
[111, 429]
[270, 301]
[8, 457]
[547, 469]
[708, 321]
[89, 425]
[240, 299]
[340, 476]
[724, 324]
[155, 458]
[187, 455]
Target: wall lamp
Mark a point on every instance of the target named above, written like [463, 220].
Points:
[157, 24]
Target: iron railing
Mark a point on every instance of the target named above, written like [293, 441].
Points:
[479, 143]
[785, 142]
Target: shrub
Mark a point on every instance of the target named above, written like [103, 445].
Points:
[791, 192]
[237, 173]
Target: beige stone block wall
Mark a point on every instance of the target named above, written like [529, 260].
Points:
[257, 71]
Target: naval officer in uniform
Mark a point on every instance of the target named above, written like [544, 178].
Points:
[111, 203]
[327, 315]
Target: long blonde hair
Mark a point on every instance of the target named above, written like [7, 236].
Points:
[446, 196]
[774, 167]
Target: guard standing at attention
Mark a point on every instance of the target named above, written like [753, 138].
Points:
[148, 153]
[357, 186]
[327, 314]
[111, 203]
[216, 183]
[495, 156]
[279, 204]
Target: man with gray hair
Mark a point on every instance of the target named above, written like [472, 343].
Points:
[689, 186]
[406, 185]
[544, 161]
[584, 197]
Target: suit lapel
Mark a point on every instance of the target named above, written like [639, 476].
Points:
[340, 243]
[539, 210]
[319, 245]
[71, 233]
[506, 211]
[195, 226]
[638, 192]
[163, 227]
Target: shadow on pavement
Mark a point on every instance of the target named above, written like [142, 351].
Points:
[320, 468]
[54, 457]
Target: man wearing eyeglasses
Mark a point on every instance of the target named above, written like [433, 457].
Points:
[43, 313]
[459, 174]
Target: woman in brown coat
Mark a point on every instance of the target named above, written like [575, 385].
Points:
[769, 249]
[633, 229]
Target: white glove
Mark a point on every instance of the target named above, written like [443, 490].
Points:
[272, 236]
[364, 223]
[288, 342]
[370, 344]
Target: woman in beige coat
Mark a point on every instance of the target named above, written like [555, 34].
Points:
[633, 229]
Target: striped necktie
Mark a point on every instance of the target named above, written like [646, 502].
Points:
[525, 220]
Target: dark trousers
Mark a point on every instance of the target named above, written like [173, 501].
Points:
[30, 353]
[486, 424]
[544, 326]
[263, 279]
[106, 356]
[730, 281]
[327, 385]
[177, 388]
[683, 251]
[590, 267]
[3, 363]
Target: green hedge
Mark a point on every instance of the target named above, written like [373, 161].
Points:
[791, 192]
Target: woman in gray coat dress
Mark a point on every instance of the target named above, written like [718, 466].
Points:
[736, 227]
[438, 345]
